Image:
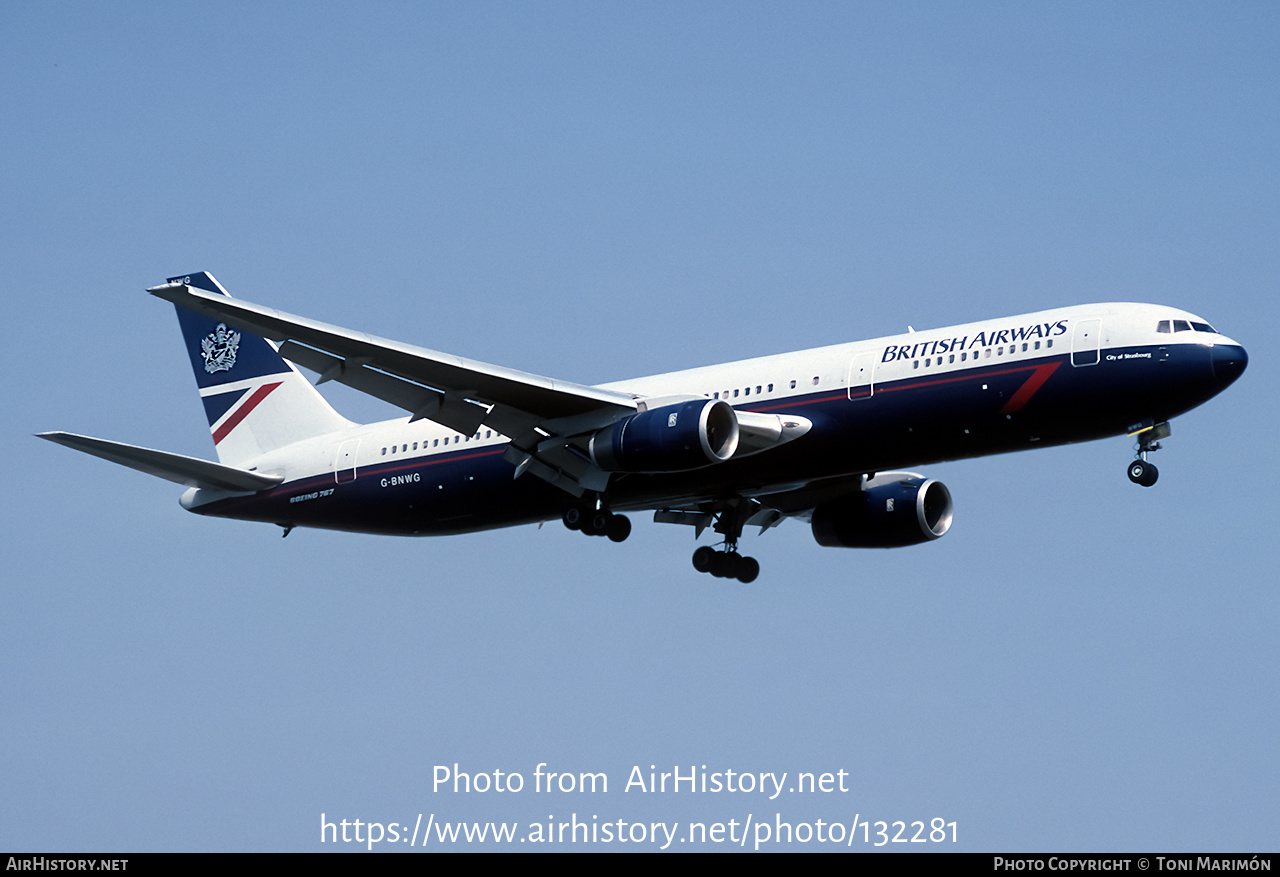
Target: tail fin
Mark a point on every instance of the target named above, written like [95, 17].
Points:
[255, 400]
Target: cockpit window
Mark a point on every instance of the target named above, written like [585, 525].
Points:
[1166, 326]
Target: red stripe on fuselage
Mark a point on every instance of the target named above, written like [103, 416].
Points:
[1039, 374]
[1028, 389]
[243, 411]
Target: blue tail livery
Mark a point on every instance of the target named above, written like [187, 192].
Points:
[255, 400]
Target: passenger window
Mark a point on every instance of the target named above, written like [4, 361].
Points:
[735, 394]
[793, 385]
[771, 388]
[815, 380]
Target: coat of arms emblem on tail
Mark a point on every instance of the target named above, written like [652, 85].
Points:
[220, 349]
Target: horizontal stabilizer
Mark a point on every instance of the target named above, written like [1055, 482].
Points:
[189, 471]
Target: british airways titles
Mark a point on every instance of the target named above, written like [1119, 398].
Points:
[896, 352]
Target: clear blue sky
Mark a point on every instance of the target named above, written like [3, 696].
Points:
[597, 191]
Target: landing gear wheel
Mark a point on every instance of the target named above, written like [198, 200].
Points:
[573, 517]
[724, 565]
[703, 557]
[748, 570]
[1142, 472]
[618, 528]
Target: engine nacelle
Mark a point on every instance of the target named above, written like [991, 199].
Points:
[674, 438]
[891, 510]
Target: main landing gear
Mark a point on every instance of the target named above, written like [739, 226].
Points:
[729, 564]
[594, 518]
[1140, 471]
[597, 522]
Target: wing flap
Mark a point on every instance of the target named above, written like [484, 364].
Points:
[180, 469]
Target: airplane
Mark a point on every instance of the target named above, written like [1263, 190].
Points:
[817, 435]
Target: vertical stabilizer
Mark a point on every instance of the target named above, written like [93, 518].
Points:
[255, 400]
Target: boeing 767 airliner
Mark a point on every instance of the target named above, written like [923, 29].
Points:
[819, 435]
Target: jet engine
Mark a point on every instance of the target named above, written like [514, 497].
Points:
[673, 438]
[893, 509]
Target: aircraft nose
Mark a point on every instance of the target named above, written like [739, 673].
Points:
[1229, 361]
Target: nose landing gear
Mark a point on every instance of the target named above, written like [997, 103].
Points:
[1140, 471]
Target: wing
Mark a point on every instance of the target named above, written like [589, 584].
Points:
[538, 414]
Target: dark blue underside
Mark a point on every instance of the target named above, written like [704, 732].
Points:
[930, 417]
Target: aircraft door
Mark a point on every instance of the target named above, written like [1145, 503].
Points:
[1085, 342]
[344, 467]
[862, 375]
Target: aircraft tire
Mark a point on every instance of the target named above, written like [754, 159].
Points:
[724, 564]
[599, 524]
[573, 518]
[748, 570]
[619, 528]
[1152, 474]
[703, 557]
[1143, 473]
